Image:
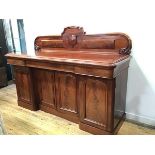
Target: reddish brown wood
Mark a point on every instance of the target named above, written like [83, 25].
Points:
[24, 85]
[94, 104]
[44, 88]
[66, 92]
[74, 38]
[82, 78]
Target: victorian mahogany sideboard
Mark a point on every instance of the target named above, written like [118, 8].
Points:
[79, 77]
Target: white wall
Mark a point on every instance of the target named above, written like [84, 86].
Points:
[101, 16]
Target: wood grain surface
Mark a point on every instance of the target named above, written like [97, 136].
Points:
[79, 77]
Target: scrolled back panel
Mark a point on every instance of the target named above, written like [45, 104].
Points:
[48, 42]
[122, 42]
[97, 42]
[74, 38]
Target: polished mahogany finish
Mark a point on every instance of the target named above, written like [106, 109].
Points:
[82, 78]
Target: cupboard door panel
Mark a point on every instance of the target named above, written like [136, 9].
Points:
[66, 93]
[93, 110]
[44, 86]
[47, 88]
[23, 83]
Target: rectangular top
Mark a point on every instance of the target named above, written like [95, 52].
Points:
[104, 58]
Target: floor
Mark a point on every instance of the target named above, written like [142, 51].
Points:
[20, 121]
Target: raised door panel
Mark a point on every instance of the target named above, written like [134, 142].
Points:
[94, 99]
[44, 88]
[25, 89]
[66, 93]
[22, 77]
[47, 89]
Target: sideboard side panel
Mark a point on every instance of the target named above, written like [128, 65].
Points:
[120, 96]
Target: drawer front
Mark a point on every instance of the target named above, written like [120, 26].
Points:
[16, 62]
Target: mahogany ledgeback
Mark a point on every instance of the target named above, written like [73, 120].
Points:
[74, 38]
[79, 77]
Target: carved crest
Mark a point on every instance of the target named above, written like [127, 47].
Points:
[72, 36]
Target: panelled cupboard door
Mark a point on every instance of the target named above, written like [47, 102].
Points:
[44, 87]
[94, 102]
[66, 92]
[23, 84]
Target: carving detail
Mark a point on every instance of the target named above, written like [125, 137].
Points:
[124, 51]
[72, 36]
[36, 47]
